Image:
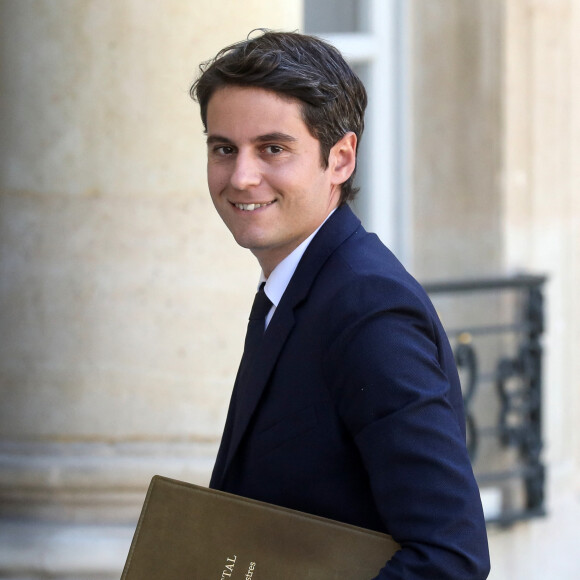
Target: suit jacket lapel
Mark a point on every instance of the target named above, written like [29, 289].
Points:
[340, 226]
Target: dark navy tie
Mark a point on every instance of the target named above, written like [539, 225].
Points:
[254, 335]
[256, 325]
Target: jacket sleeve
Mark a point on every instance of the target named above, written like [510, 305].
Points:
[397, 392]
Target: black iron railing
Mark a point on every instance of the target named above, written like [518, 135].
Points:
[496, 327]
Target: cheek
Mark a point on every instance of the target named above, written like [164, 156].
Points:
[215, 179]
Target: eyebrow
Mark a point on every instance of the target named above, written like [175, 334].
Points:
[276, 136]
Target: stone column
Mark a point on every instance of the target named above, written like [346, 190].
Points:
[541, 200]
[495, 89]
[123, 298]
[455, 106]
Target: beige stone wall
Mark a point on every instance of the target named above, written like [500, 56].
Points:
[542, 184]
[455, 108]
[123, 297]
[496, 189]
[541, 230]
[121, 289]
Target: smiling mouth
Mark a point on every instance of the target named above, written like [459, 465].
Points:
[251, 206]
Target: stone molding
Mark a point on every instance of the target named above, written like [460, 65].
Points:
[92, 482]
[36, 550]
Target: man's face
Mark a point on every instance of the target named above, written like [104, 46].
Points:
[265, 174]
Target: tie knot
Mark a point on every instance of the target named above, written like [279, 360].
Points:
[261, 305]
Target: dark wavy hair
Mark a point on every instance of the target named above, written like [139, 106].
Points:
[297, 66]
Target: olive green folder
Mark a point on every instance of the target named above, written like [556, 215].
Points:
[194, 533]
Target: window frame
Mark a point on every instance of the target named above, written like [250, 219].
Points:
[385, 198]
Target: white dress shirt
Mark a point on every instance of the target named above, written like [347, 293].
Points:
[279, 279]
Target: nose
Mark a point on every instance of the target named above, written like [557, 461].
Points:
[246, 171]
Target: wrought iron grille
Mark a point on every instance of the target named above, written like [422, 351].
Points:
[496, 327]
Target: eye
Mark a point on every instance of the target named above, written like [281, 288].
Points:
[223, 150]
[273, 149]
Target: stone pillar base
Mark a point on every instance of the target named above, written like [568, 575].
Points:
[68, 511]
[39, 550]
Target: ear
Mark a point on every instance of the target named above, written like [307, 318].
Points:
[342, 158]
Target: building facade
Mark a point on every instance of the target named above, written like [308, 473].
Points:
[124, 299]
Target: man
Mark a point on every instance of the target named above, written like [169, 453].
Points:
[348, 405]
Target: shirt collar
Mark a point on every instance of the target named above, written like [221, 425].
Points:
[279, 279]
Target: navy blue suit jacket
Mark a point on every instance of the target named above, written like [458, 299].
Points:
[352, 410]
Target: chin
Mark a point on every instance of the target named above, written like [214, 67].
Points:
[249, 242]
[247, 237]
